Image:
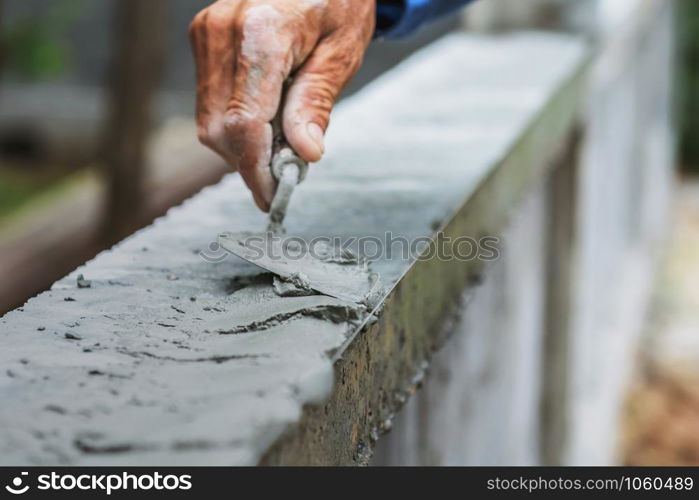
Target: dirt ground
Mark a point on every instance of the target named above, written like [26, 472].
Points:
[662, 420]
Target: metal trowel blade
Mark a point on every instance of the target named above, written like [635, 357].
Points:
[286, 257]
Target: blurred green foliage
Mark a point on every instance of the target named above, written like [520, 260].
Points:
[36, 46]
[18, 187]
[688, 82]
[23, 192]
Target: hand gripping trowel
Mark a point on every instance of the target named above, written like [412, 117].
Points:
[318, 267]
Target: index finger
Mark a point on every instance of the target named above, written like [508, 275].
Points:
[263, 63]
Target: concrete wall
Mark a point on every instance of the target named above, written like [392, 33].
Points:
[480, 403]
[625, 185]
[557, 15]
[529, 379]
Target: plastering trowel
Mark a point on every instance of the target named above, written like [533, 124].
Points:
[320, 267]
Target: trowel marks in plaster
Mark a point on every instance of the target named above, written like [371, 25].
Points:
[321, 268]
[258, 307]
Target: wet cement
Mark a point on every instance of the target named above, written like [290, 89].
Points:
[301, 269]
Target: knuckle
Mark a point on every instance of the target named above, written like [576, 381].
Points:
[237, 121]
[238, 25]
[320, 94]
[347, 62]
[218, 21]
[262, 16]
[271, 29]
[204, 137]
[354, 62]
[209, 132]
[211, 19]
[234, 121]
[321, 102]
[198, 24]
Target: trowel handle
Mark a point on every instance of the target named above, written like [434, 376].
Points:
[283, 155]
[289, 170]
[286, 160]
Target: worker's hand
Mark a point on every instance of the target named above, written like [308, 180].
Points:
[246, 49]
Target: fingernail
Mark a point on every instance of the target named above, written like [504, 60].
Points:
[317, 136]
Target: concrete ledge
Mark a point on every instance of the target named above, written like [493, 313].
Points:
[138, 368]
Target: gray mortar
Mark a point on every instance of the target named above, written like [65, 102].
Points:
[346, 279]
[295, 287]
[259, 307]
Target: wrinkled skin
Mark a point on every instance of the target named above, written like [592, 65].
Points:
[245, 50]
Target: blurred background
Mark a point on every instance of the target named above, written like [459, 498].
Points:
[97, 139]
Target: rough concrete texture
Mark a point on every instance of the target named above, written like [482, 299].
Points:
[167, 358]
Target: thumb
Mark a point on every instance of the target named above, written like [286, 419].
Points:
[313, 92]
